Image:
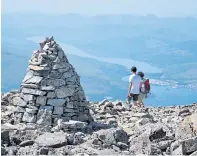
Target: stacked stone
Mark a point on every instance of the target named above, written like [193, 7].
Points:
[51, 89]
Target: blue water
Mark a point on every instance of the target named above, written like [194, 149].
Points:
[160, 95]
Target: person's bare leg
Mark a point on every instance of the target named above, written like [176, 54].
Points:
[135, 103]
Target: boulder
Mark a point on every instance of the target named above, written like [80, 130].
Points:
[27, 117]
[54, 140]
[187, 128]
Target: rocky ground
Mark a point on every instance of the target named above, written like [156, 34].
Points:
[116, 130]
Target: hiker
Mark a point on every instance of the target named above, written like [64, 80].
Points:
[134, 86]
[144, 89]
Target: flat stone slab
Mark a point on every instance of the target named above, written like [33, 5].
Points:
[72, 124]
[56, 102]
[33, 91]
[38, 68]
[34, 79]
[55, 140]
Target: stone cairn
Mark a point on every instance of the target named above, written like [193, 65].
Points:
[51, 89]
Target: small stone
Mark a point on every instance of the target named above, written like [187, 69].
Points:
[64, 92]
[184, 112]
[142, 115]
[31, 86]
[103, 102]
[19, 102]
[26, 143]
[31, 111]
[122, 145]
[60, 54]
[34, 80]
[190, 145]
[38, 68]
[33, 91]
[56, 102]
[58, 110]
[27, 117]
[70, 110]
[44, 117]
[19, 109]
[51, 95]
[75, 124]
[48, 108]
[28, 76]
[54, 140]
[47, 88]
[41, 100]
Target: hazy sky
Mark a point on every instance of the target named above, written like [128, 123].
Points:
[93, 7]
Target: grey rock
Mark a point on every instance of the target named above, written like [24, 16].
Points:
[184, 112]
[143, 121]
[78, 138]
[142, 115]
[54, 140]
[162, 145]
[53, 82]
[44, 117]
[84, 118]
[70, 105]
[187, 128]
[194, 154]
[34, 80]
[48, 88]
[38, 68]
[58, 110]
[27, 97]
[190, 145]
[178, 151]
[122, 145]
[140, 145]
[3, 151]
[41, 100]
[19, 102]
[67, 75]
[64, 92]
[26, 143]
[59, 66]
[70, 110]
[31, 111]
[19, 109]
[103, 102]
[51, 95]
[28, 76]
[112, 136]
[60, 54]
[74, 125]
[5, 137]
[56, 102]
[33, 91]
[31, 86]
[27, 117]
[157, 133]
[48, 108]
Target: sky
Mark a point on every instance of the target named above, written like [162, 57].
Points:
[162, 8]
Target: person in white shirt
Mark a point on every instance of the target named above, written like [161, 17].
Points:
[134, 86]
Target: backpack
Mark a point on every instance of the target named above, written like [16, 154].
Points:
[145, 86]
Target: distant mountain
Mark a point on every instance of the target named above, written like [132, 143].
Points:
[168, 44]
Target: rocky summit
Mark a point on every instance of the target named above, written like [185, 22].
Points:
[49, 115]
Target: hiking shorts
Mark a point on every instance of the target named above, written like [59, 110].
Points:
[134, 97]
[141, 97]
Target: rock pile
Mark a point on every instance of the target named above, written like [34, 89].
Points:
[115, 130]
[50, 89]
